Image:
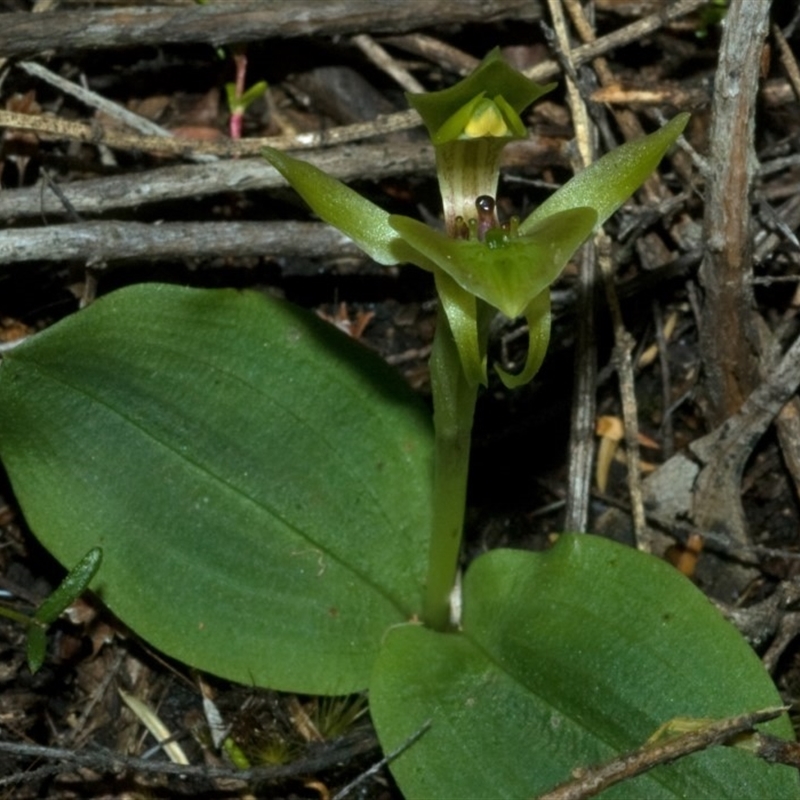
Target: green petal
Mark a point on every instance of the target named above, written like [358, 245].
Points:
[461, 308]
[508, 276]
[512, 119]
[612, 179]
[337, 204]
[454, 126]
[482, 118]
[493, 78]
[539, 318]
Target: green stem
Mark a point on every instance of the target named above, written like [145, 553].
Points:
[16, 616]
[453, 411]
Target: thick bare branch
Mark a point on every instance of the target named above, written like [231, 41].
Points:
[113, 241]
[101, 195]
[727, 338]
[240, 21]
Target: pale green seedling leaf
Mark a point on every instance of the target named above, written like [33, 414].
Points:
[607, 183]
[259, 483]
[240, 103]
[567, 659]
[75, 583]
[338, 205]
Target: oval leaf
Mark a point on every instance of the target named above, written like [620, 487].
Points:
[258, 482]
[566, 659]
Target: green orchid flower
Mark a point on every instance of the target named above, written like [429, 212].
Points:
[480, 266]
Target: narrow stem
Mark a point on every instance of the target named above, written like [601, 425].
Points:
[16, 616]
[453, 411]
[237, 114]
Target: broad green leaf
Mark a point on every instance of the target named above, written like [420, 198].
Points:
[338, 205]
[607, 183]
[259, 483]
[566, 659]
[510, 274]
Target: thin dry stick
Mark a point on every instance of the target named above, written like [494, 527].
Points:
[619, 38]
[441, 53]
[727, 325]
[582, 441]
[38, 7]
[94, 100]
[578, 110]
[594, 780]
[787, 59]
[54, 128]
[626, 119]
[584, 406]
[727, 334]
[110, 241]
[624, 344]
[725, 451]
[623, 347]
[387, 759]
[234, 21]
[107, 762]
[378, 56]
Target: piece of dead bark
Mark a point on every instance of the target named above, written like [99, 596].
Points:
[727, 336]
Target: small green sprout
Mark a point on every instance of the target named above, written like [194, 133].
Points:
[239, 102]
[73, 586]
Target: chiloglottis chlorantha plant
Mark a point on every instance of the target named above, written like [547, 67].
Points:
[479, 266]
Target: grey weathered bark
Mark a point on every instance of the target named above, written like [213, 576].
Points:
[103, 195]
[114, 241]
[727, 338]
[241, 21]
